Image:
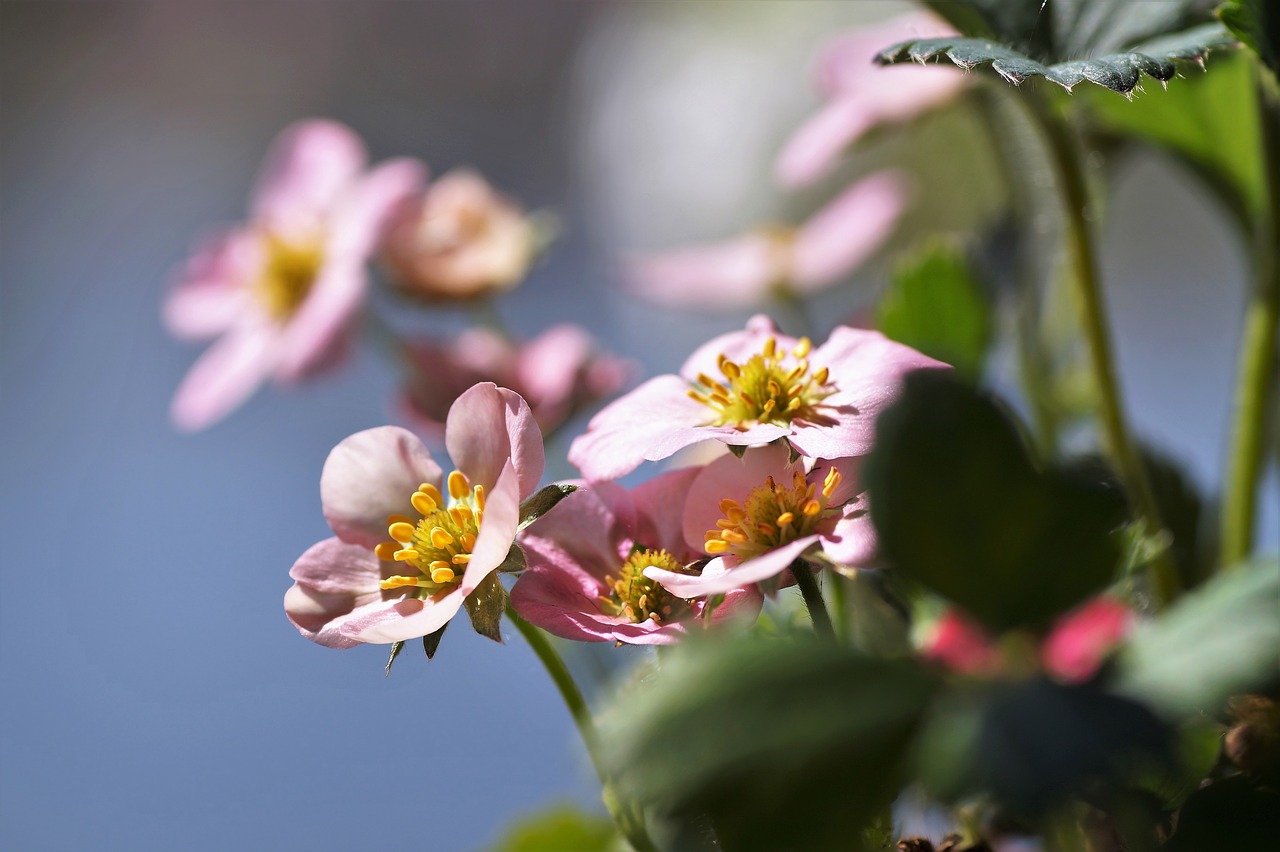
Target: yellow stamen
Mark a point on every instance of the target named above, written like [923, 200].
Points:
[716, 547]
[401, 531]
[461, 558]
[387, 550]
[802, 348]
[786, 519]
[423, 503]
[398, 582]
[479, 494]
[459, 487]
[730, 369]
[406, 554]
[468, 541]
[440, 537]
[813, 507]
[431, 491]
[442, 575]
[770, 347]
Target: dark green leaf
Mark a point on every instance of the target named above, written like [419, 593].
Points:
[559, 829]
[515, 562]
[960, 507]
[543, 501]
[431, 642]
[1220, 640]
[396, 648]
[1231, 814]
[935, 305]
[1257, 24]
[781, 744]
[486, 605]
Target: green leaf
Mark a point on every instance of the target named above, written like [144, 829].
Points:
[1222, 639]
[558, 829]
[1119, 72]
[486, 605]
[396, 648]
[781, 744]
[543, 501]
[935, 305]
[961, 508]
[1209, 121]
[1232, 813]
[431, 642]
[1257, 24]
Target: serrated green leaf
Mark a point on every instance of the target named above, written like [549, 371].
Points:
[1257, 24]
[935, 305]
[431, 642]
[782, 744]
[543, 501]
[960, 507]
[1220, 640]
[558, 829]
[486, 605]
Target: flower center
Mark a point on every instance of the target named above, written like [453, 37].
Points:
[637, 597]
[287, 276]
[774, 386]
[774, 515]
[438, 547]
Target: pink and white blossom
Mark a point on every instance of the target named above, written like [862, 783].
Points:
[747, 269]
[861, 95]
[558, 373]
[767, 386]
[588, 559]
[759, 513]
[280, 291]
[411, 545]
[460, 240]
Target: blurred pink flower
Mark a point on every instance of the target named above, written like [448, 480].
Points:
[460, 240]
[745, 270]
[861, 95]
[281, 290]
[558, 373]
[824, 401]
[962, 646]
[588, 560]
[759, 513]
[349, 589]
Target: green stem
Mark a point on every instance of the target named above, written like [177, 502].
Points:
[628, 819]
[1258, 357]
[840, 605]
[1115, 428]
[808, 584]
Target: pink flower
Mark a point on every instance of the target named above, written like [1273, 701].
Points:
[963, 646]
[588, 560]
[747, 269]
[280, 291]
[406, 554]
[558, 372]
[1082, 638]
[824, 401]
[861, 95]
[461, 240]
[759, 513]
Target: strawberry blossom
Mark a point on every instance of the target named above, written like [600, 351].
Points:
[280, 292]
[410, 544]
[588, 560]
[752, 387]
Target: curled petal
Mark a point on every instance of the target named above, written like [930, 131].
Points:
[488, 426]
[333, 581]
[724, 574]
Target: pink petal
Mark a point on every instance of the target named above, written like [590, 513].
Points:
[846, 63]
[660, 509]
[361, 217]
[488, 426]
[722, 575]
[853, 541]
[819, 143]
[733, 478]
[591, 530]
[497, 530]
[310, 165]
[1082, 639]
[225, 376]
[847, 231]
[736, 272]
[736, 346]
[211, 291]
[322, 322]
[563, 600]
[333, 579]
[400, 621]
[370, 476]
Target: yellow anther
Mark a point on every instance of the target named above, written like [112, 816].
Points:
[733, 536]
[813, 507]
[730, 369]
[461, 515]
[768, 407]
[387, 550]
[797, 481]
[406, 554]
[398, 582]
[431, 491]
[802, 348]
[832, 482]
[461, 558]
[820, 377]
[794, 373]
[480, 497]
[706, 381]
[793, 404]
[746, 397]
[459, 487]
[727, 523]
[716, 546]
[803, 367]
[697, 397]
[767, 529]
[440, 537]
[468, 542]
[401, 532]
[730, 508]
[771, 348]
[423, 503]
[786, 519]
[442, 575]
[774, 387]
[399, 519]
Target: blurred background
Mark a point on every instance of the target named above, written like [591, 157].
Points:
[154, 696]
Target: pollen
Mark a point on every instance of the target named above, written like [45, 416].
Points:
[289, 271]
[637, 598]
[437, 544]
[773, 386]
[773, 515]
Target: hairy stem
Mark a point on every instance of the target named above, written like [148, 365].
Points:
[808, 584]
[1256, 380]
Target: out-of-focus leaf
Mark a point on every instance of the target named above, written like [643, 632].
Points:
[1257, 24]
[1229, 814]
[781, 745]
[1033, 744]
[1199, 743]
[543, 501]
[486, 605]
[935, 305]
[959, 507]
[1222, 639]
[1119, 72]
[560, 829]
[1209, 121]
